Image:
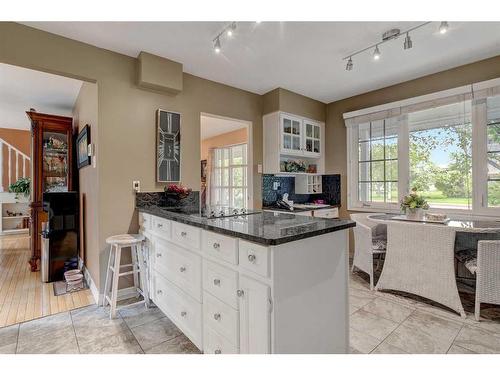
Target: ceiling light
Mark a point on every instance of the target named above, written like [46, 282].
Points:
[443, 28]
[408, 43]
[230, 29]
[376, 53]
[349, 65]
[217, 45]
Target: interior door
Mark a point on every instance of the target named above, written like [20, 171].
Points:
[255, 317]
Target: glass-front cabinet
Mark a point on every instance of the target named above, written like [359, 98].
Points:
[312, 138]
[291, 134]
[55, 161]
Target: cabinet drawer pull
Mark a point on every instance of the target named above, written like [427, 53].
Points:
[159, 291]
[240, 293]
[216, 245]
[217, 316]
[218, 351]
[216, 282]
[183, 313]
[182, 269]
[183, 234]
[160, 225]
[158, 255]
[251, 258]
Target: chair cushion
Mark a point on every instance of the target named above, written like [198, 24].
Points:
[379, 245]
[468, 258]
[471, 265]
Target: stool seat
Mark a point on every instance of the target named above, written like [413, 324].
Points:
[125, 239]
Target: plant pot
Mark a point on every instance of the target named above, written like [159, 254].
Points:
[415, 213]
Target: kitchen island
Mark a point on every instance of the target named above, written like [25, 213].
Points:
[258, 283]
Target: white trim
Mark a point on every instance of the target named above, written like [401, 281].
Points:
[93, 287]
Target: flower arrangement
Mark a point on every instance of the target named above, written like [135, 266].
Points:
[178, 191]
[413, 203]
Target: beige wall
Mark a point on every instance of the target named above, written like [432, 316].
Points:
[288, 101]
[221, 140]
[20, 139]
[85, 113]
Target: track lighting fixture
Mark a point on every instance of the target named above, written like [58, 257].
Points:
[408, 43]
[230, 29]
[349, 64]
[227, 31]
[217, 45]
[443, 28]
[391, 35]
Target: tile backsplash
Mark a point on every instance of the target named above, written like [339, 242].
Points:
[330, 182]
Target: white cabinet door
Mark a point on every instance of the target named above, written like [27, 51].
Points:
[291, 134]
[312, 138]
[255, 317]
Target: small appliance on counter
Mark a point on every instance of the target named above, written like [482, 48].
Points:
[60, 235]
[285, 203]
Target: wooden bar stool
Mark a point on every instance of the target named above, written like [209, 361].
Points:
[137, 268]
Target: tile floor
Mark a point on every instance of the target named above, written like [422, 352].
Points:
[387, 323]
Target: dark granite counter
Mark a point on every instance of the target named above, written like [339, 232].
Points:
[296, 209]
[267, 228]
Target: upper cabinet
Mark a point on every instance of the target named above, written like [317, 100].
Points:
[293, 144]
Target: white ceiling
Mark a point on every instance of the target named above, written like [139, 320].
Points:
[22, 89]
[212, 126]
[304, 57]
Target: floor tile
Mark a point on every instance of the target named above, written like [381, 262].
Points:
[433, 324]
[455, 349]
[389, 310]
[59, 341]
[359, 297]
[362, 342]
[371, 324]
[477, 340]
[123, 342]
[8, 339]
[137, 315]
[385, 348]
[178, 345]
[46, 325]
[151, 334]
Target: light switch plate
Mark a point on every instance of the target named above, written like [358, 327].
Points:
[259, 168]
[136, 185]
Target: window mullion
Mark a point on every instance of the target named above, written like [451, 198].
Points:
[479, 156]
[403, 157]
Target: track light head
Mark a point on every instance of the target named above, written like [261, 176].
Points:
[230, 29]
[349, 65]
[376, 53]
[408, 43]
[443, 28]
[217, 47]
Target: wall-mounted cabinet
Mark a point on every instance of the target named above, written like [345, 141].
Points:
[289, 138]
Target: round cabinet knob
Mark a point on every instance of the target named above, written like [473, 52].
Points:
[183, 313]
[218, 351]
[158, 255]
[240, 293]
[159, 291]
[182, 269]
[216, 245]
[160, 225]
[217, 316]
[251, 258]
[216, 282]
[183, 234]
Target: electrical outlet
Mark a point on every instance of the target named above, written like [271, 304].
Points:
[276, 185]
[136, 185]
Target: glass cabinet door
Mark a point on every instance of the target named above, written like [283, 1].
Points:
[55, 162]
[291, 132]
[312, 137]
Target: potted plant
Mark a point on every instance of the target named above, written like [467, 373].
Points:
[20, 187]
[413, 205]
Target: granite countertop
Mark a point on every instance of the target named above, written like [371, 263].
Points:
[296, 209]
[267, 228]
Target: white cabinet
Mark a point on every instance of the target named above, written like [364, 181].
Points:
[312, 138]
[308, 184]
[255, 316]
[292, 135]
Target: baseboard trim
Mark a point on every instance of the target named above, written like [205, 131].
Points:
[92, 286]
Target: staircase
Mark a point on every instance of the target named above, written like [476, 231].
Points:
[16, 166]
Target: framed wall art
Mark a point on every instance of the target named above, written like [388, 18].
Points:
[168, 146]
[82, 147]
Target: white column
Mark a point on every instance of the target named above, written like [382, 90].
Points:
[9, 166]
[17, 165]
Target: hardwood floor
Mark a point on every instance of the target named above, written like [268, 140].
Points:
[23, 296]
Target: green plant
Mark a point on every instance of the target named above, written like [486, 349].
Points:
[21, 186]
[413, 201]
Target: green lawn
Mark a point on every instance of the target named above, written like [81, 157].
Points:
[439, 198]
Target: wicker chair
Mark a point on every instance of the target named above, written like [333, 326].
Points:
[420, 261]
[369, 241]
[487, 268]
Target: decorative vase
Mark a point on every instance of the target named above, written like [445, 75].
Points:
[415, 213]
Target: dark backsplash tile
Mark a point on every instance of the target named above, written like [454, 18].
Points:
[331, 190]
[163, 200]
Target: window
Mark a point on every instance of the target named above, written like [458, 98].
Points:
[229, 183]
[378, 161]
[493, 151]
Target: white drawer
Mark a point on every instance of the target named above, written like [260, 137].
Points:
[161, 226]
[330, 213]
[221, 282]
[144, 221]
[219, 246]
[180, 266]
[186, 235]
[214, 343]
[183, 310]
[221, 317]
[255, 258]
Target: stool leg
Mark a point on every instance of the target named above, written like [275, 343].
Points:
[114, 285]
[142, 274]
[135, 266]
[108, 275]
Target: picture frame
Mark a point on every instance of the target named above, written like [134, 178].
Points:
[203, 171]
[82, 147]
[168, 146]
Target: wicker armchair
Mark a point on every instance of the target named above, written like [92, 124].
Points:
[369, 240]
[420, 261]
[487, 274]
